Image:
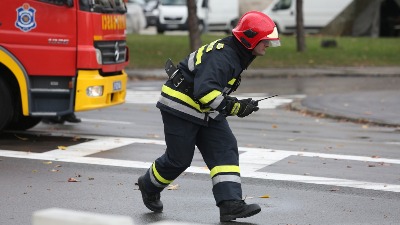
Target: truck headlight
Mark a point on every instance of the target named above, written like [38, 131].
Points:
[94, 91]
[98, 56]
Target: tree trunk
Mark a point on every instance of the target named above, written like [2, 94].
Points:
[193, 25]
[301, 44]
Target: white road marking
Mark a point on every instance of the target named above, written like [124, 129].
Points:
[142, 97]
[251, 160]
[151, 97]
[105, 121]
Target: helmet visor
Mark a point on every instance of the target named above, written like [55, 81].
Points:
[274, 43]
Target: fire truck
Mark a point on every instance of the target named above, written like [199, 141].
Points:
[58, 57]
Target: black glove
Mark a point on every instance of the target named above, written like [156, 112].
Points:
[247, 106]
[241, 108]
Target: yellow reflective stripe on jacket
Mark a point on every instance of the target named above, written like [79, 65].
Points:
[159, 177]
[199, 54]
[179, 95]
[224, 169]
[209, 97]
[181, 107]
[231, 82]
[211, 45]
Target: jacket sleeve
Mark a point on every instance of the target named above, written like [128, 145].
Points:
[212, 76]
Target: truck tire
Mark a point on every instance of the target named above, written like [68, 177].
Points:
[21, 122]
[6, 107]
[18, 121]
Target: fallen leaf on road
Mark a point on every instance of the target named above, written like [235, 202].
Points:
[153, 135]
[173, 187]
[76, 138]
[264, 196]
[62, 147]
[71, 179]
[21, 138]
[48, 162]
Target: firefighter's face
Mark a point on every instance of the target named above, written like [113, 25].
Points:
[260, 48]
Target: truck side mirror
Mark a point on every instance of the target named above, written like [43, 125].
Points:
[69, 3]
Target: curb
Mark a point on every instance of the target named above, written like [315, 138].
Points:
[297, 106]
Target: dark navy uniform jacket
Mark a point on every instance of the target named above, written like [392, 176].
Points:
[210, 73]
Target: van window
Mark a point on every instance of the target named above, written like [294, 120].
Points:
[173, 2]
[282, 4]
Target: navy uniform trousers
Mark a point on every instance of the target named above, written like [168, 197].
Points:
[217, 145]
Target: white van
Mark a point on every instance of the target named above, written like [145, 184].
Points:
[213, 15]
[316, 14]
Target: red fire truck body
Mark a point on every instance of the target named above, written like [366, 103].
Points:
[58, 57]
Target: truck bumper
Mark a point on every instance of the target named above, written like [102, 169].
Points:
[113, 90]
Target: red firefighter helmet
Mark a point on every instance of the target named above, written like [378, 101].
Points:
[255, 26]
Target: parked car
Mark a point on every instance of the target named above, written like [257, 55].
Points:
[135, 19]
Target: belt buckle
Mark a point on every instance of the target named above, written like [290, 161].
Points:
[180, 81]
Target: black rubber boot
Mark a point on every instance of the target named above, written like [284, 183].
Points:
[230, 210]
[150, 200]
[71, 118]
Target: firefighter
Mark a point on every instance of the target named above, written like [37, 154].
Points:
[194, 104]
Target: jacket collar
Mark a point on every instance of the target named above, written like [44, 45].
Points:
[245, 55]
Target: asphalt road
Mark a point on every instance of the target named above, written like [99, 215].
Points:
[313, 169]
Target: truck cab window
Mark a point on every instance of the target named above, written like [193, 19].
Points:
[55, 2]
[103, 6]
[282, 4]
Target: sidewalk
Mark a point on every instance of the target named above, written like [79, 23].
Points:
[372, 107]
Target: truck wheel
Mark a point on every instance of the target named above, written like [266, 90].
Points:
[22, 122]
[18, 121]
[6, 107]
